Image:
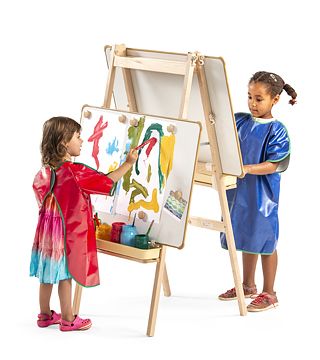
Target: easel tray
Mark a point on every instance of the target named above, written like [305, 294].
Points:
[128, 251]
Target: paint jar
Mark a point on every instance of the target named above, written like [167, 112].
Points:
[142, 241]
[116, 231]
[103, 232]
[128, 235]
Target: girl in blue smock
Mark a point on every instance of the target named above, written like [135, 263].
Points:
[253, 205]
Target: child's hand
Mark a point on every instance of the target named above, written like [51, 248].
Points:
[246, 169]
[132, 157]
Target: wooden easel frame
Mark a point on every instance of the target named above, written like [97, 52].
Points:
[194, 63]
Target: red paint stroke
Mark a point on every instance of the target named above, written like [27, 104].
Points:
[95, 138]
[152, 141]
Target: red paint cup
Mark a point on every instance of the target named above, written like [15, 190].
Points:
[116, 231]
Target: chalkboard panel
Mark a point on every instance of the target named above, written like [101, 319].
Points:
[160, 183]
[160, 94]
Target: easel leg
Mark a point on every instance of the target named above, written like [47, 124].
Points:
[232, 252]
[165, 282]
[77, 299]
[203, 86]
[158, 279]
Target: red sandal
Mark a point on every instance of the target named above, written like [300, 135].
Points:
[263, 301]
[45, 320]
[76, 324]
[232, 295]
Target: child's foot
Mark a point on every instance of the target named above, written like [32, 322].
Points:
[76, 324]
[45, 320]
[263, 301]
[231, 294]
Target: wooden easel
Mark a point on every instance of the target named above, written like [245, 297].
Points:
[194, 63]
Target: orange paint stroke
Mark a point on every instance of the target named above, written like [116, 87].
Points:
[152, 205]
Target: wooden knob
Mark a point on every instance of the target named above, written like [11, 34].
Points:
[142, 215]
[87, 114]
[122, 118]
[134, 122]
[171, 128]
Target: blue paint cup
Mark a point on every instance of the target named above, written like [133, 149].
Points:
[128, 235]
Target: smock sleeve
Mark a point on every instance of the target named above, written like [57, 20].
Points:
[278, 148]
[91, 181]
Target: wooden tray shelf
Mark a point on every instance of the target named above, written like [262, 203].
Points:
[128, 251]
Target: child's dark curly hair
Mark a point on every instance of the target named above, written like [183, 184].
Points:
[275, 84]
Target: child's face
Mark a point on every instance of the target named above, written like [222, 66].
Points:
[260, 102]
[74, 145]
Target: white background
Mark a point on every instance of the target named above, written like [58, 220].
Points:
[52, 63]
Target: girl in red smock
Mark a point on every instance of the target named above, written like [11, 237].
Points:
[65, 246]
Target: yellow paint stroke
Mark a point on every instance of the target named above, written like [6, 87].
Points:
[166, 154]
[152, 205]
[113, 167]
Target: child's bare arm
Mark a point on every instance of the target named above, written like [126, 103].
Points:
[264, 168]
[126, 166]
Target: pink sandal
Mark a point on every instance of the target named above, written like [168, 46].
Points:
[76, 324]
[45, 320]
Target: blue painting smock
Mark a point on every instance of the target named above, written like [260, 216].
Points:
[253, 204]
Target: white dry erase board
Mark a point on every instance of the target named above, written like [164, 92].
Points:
[160, 94]
[165, 168]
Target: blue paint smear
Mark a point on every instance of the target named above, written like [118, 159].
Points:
[113, 147]
[118, 188]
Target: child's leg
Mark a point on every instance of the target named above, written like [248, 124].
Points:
[44, 298]
[269, 268]
[65, 295]
[249, 263]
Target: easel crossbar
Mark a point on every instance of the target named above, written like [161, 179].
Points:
[156, 65]
[207, 223]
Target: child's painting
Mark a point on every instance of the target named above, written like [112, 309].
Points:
[175, 206]
[106, 143]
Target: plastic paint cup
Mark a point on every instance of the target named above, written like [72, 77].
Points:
[116, 231]
[142, 241]
[128, 235]
[103, 232]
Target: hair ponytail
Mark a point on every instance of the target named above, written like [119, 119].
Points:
[291, 92]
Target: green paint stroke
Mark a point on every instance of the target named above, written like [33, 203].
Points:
[147, 135]
[139, 189]
[134, 134]
[149, 173]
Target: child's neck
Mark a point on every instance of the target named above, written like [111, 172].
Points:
[67, 157]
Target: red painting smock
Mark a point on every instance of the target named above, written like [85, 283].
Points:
[71, 185]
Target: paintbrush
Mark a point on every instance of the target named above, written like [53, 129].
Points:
[142, 145]
[150, 227]
[134, 218]
[154, 140]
